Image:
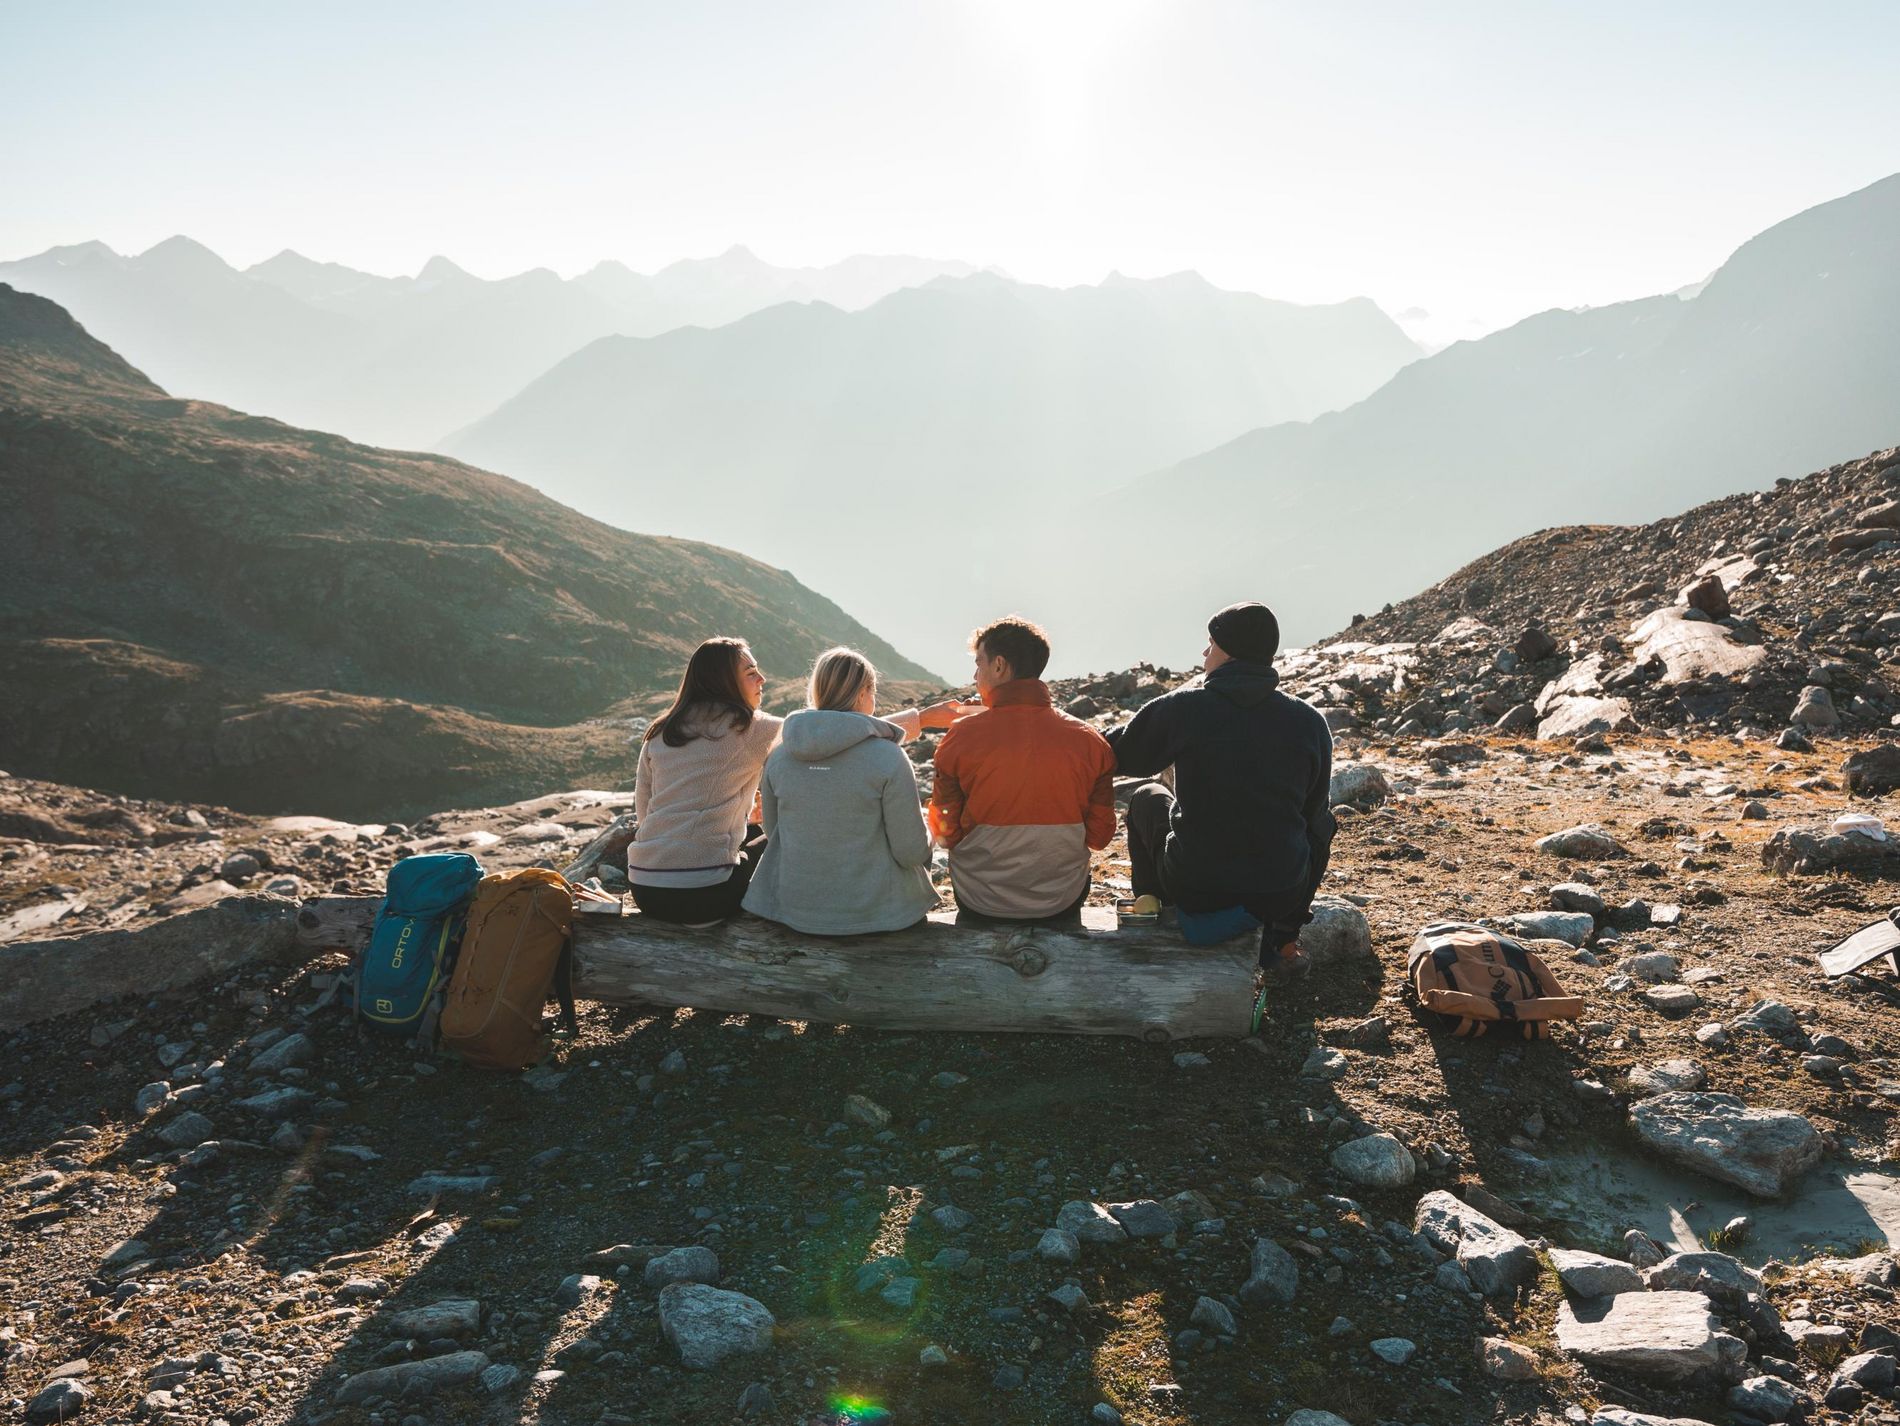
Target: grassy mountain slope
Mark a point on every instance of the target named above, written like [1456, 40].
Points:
[160, 543]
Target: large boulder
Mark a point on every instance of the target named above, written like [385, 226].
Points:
[1873, 772]
[1669, 1337]
[1497, 1261]
[709, 1324]
[1358, 785]
[1338, 931]
[1761, 1150]
[1810, 851]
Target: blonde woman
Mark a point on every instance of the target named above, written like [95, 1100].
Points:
[846, 849]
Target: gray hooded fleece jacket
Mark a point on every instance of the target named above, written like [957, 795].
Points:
[846, 847]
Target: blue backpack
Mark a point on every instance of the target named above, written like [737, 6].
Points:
[413, 941]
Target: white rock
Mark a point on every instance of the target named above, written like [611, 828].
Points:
[1762, 1150]
[1496, 1260]
[1585, 842]
[1376, 1161]
[708, 1324]
[1593, 1275]
[1666, 1077]
[1660, 1336]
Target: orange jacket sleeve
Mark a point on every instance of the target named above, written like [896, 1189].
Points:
[1101, 813]
[946, 796]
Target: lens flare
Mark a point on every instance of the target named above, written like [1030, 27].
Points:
[859, 1408]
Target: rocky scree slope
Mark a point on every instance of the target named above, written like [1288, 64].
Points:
[200, 602]
[1757, 610]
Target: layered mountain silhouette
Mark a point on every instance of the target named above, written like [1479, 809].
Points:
[964, 421]
[193, 600]
[1787, 358]
[403, 360]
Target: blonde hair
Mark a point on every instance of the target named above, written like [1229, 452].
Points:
[838, 678]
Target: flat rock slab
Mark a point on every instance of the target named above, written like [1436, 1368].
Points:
[1659, 1336]
[1691, 648]
[1764, 1151]
[1593, 1275]
[451, 1317]
[408, 1381]
[1496, 1260]
[1573, 928]
[709, 1324]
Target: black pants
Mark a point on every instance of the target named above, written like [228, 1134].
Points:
[1281, 914]
[697, 905]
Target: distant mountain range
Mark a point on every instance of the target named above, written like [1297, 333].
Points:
[403, 360]
[918, 455]
[1786, 359]
[197, 602]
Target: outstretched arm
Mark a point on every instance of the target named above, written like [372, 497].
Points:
[1146, 744]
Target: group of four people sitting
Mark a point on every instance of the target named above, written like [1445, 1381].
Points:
[1022, 793]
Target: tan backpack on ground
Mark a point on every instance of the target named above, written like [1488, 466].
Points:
[518, 946]
[1479, 978]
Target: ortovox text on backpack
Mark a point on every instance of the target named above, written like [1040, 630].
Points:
[413, 941]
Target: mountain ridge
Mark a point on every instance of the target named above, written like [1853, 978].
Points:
[362, 581]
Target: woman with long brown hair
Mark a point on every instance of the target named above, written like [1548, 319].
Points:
[693, 853]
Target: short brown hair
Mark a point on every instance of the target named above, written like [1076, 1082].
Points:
[1017, 641]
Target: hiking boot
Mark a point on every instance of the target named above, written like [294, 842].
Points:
[1291, 963]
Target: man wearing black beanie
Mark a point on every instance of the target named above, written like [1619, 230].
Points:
[1244, 838]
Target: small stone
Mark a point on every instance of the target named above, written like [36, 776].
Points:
[1672, 999]
[412, 1380]
[673, 1062]
[690, 1264]
[1058, 1246]
[1714, 1035]
[1143, 1218]
[498, 1378]
[151, 1097]
[1666, 1076]
[1090, 1222]
[1191, 1059]
[867, 1112]
[1212, 1316]
[1592, 1275]
[576, 1288]
[1069, 1297]
[756, 1400]
[1504, 1360]
[1324, 1063]
[450, 1317]
[1394, 1351]
[933, 1356]
[1767, 1398]
[239, 867]
[952, 1219]
[61, 1400]
[1651, 967]
[1496, 1259]
[1376, 1161]
[1587, 842]
[291, 1050]
[1102, 1414]
[120, 1255]
[1273, 1279]
[187, 1131]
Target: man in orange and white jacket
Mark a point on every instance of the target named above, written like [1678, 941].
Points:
[1023, 791]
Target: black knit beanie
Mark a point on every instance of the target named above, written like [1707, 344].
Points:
[1246, 631]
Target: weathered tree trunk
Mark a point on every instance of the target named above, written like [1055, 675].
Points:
[1091, 980]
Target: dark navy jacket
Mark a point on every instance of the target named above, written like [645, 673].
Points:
[1252, 773]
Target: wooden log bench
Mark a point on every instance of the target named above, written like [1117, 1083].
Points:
[1094, 979]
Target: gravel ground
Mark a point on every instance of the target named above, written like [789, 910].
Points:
[275, 1264]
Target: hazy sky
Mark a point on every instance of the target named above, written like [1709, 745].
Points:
[1476, 160]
